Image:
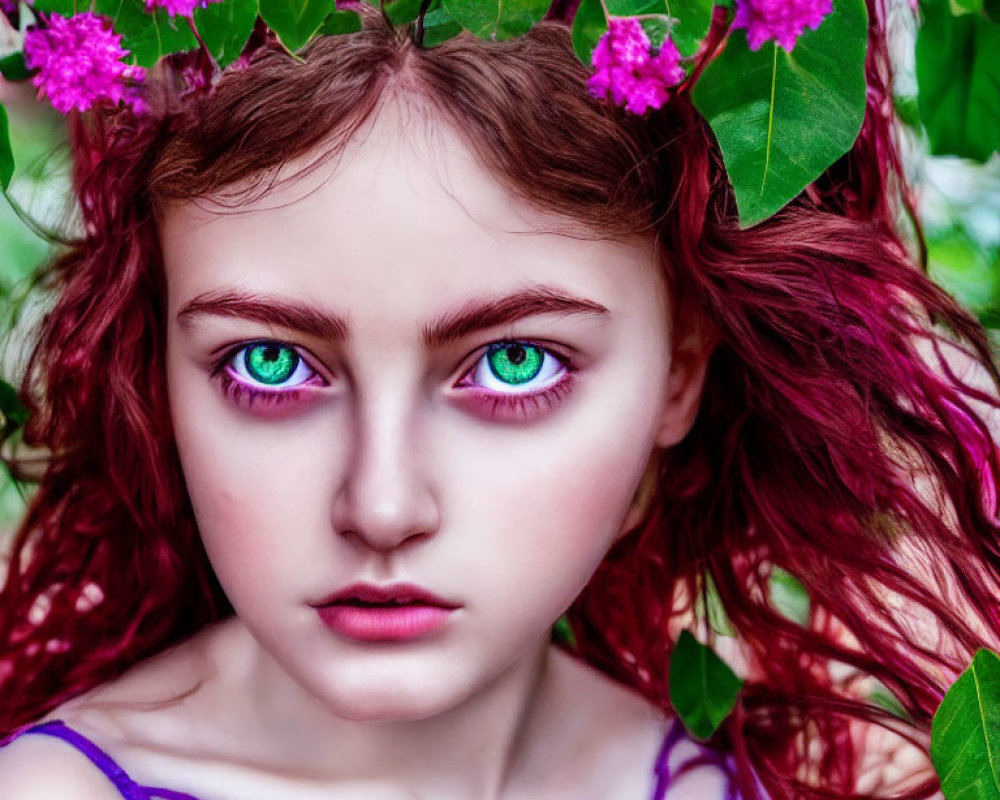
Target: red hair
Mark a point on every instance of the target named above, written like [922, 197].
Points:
[834, 439]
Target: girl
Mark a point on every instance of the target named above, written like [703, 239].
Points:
[370, 365]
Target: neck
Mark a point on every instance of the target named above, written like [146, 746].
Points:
[473, 749]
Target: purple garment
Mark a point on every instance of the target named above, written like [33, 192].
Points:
[131, 790]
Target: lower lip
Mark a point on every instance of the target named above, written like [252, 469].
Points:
[383, 623]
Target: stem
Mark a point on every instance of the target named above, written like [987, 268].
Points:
[418, 34]
[31, 224]
[197, 36]
[770, 119]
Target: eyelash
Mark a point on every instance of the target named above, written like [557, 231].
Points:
[519, 405]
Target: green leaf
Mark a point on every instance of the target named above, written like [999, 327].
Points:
[965, 733]
[13, 68]
[439, 26]
[709, 606]
[147, 36]
[497, 19]
[226, 27]
[295, 21]
[703, 689]
[687, 21]
[788, 596]
[788, 116]
[341, 22]
[589, 25]
[12, 413]
[966, 6]
[402, 12]
[965, 269]
[692, 19]
[562, 632]
[657, 28]
[958, 75]
[64, 8]
[887, 701]
[6, 152]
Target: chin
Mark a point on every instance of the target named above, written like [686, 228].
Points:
[395, 706]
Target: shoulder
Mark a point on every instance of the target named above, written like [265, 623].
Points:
[688, 768]
[34, 767]
[626, 745]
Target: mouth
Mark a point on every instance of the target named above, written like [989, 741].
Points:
[369, 613]
[365, 595]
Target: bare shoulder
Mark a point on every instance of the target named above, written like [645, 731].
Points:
[620, 738]
[41, 767]
[609, 735]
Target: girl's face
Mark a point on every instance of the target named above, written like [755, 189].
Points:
[387, 372]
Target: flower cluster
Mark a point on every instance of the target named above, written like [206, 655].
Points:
[780, 20]
[79, 63]
[626, 68]
[177, 8]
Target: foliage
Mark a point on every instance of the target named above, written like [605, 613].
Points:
[6, 152]
[703, 689]
[965, 734]
[782, 113]
[791, 115]
[958, 72]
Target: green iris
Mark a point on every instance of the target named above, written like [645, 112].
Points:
[270, 363]
[515, 363]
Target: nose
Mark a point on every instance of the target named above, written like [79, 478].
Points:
[386, 499]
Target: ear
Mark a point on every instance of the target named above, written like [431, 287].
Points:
[685, 382]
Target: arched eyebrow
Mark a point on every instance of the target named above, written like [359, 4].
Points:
[319, 322]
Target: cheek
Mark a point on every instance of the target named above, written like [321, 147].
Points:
[541, 508]
[251, 485]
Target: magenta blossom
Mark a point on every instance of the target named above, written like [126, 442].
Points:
[79, 63]
[178, 8]
[625, 67]
[780, 20]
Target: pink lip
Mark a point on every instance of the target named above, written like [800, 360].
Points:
[366, 613]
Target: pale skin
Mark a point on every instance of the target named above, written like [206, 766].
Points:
[383, 469]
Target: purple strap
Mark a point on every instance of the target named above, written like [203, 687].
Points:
[131, 790]
[126, 787]
[708, 757]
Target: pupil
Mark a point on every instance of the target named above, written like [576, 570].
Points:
[271, 353]
[516, 354]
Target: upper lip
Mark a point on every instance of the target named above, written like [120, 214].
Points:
[399, 592]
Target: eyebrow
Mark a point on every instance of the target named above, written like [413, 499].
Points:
[316, 321]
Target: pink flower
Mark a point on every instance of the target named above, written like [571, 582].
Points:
[79, 63]
[625, 67]
[183, 8]
[780, 20]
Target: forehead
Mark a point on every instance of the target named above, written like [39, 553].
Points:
[405, 215]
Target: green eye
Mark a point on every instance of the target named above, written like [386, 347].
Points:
[270, 363]
[515, 363]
